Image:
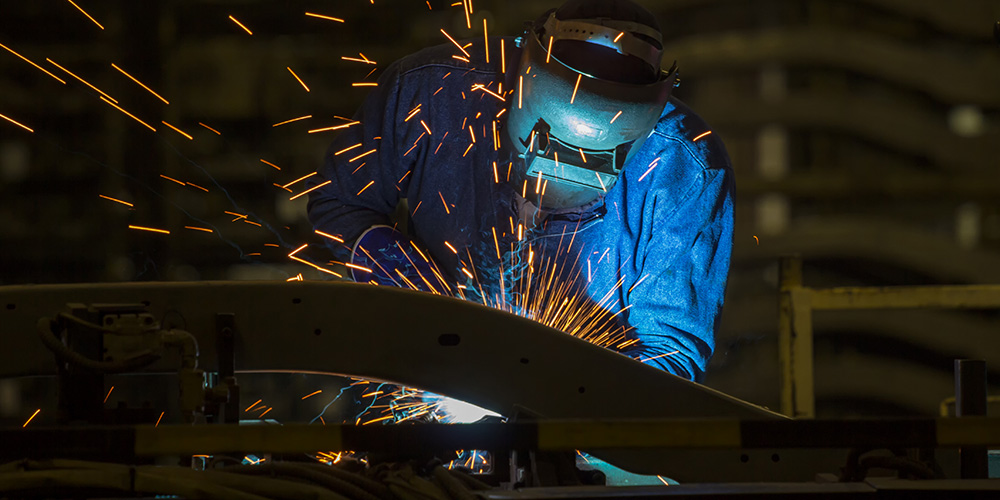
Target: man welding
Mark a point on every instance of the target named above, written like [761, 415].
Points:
[559, 155]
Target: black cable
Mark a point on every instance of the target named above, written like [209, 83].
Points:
[455, 488]
[328, 481]
[67, 355]
[374, 487]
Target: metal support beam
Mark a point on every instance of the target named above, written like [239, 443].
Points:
[795, 343]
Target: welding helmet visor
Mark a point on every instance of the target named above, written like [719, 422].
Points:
[589, 92]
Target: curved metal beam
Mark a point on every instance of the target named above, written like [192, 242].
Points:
[490, 358]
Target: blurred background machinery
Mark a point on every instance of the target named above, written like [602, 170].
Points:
[865, 136]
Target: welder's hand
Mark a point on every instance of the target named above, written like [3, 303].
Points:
[387, 257]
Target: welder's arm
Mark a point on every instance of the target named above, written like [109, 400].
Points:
[364, 165]
[384, 256]
[685, 265]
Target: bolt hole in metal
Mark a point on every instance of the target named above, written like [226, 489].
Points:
[11, 307]
[581, 389]
[318, 332]
[775, 458]
[744, 458]
[524, 361]
[296, 300]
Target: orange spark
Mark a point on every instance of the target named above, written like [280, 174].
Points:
[16, 123]
[265, 162]
[85, 82]
[210, 128]
[297, 78]
[241, 25]
[321, 16]
[307, 191]
[365, 84]
[262, 416]
[335, 127]
[116, 200]
[171, 179]
[414, 112]
[456, 43]
[202, 229]
[158, 419]
[700, 136]
[366, 187]
[60, 80]
[451, 248]
[85, 13]
[129, 114]
[428, 129]
[113, 65]
[486, 41]
[496, 241]
[577, 86]
[460, 58]
[332, 237]
[503, 58]
[31, 417]
[362, 60]
[362, 155]
[583, 155]
[292, 120]
[300, 179]
[756, 239]
[548, 54]
[359, 268]
[342, 151]
[444, 203]
[258, 401]
[196, 186]
[488, 91]
[179, 131]
[616, 117]
[141, 228]
[109, 394]
[311, 394]
[659, 356]
[619, 37]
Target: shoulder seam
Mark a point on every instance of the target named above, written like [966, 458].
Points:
[687, 148]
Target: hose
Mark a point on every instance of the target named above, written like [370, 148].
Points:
[374, 487]
[295, 470]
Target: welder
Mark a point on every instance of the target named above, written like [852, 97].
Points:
[561, 146]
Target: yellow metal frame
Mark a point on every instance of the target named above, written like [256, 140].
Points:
[796, 304]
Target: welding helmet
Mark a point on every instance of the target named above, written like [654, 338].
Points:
[590, 88]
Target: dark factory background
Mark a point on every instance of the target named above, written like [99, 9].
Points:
[865, 136]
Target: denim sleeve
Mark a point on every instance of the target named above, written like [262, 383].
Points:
[363, 165]
[684, 266]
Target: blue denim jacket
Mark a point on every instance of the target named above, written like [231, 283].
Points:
[653, 252]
